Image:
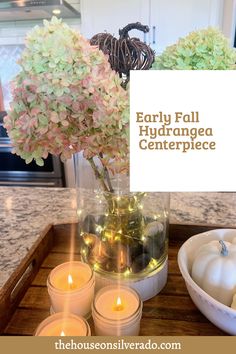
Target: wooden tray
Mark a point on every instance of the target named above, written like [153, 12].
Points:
[24, 300]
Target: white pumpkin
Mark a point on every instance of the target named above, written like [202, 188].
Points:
[214, 270]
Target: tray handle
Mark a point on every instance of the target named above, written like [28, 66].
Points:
[24, 279]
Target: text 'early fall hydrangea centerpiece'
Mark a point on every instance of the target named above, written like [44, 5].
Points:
[67, 99]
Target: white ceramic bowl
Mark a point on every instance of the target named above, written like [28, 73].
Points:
[221, 315]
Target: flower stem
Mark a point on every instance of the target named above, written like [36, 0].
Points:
[108, 179]
[99, 175]
[106, 174]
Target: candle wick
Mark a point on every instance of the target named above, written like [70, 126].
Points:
[118, 306]
[72, 286]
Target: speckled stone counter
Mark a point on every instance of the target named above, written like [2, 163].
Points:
[25, 212]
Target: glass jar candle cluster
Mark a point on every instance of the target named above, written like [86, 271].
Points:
[116, 311]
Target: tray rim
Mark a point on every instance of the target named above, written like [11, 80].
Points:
[47, 235]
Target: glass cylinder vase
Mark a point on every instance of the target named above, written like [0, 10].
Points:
[123, 235]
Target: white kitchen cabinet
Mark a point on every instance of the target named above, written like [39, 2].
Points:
[229, 20]
[171, 19]
[168, 19]
[111, 15]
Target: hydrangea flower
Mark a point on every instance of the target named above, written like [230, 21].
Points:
[67, 99]
[206, 49]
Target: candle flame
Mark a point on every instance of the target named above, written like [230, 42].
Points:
[118, 301]
[62, 334]
[118, 306]
[70, 280]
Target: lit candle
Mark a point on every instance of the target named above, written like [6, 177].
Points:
[61, 324]
[71, 288]
[117, 311]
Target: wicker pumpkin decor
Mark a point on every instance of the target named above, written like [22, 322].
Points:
[125, 53]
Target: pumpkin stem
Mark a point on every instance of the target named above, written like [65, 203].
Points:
[224, 250]
[137, 25]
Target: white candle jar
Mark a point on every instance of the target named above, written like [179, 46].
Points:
[62, 324]
[77, 297]
[122, 322]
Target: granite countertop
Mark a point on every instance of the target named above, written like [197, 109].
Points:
[26, 212]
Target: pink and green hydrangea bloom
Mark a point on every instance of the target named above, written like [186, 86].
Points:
[67, 99]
